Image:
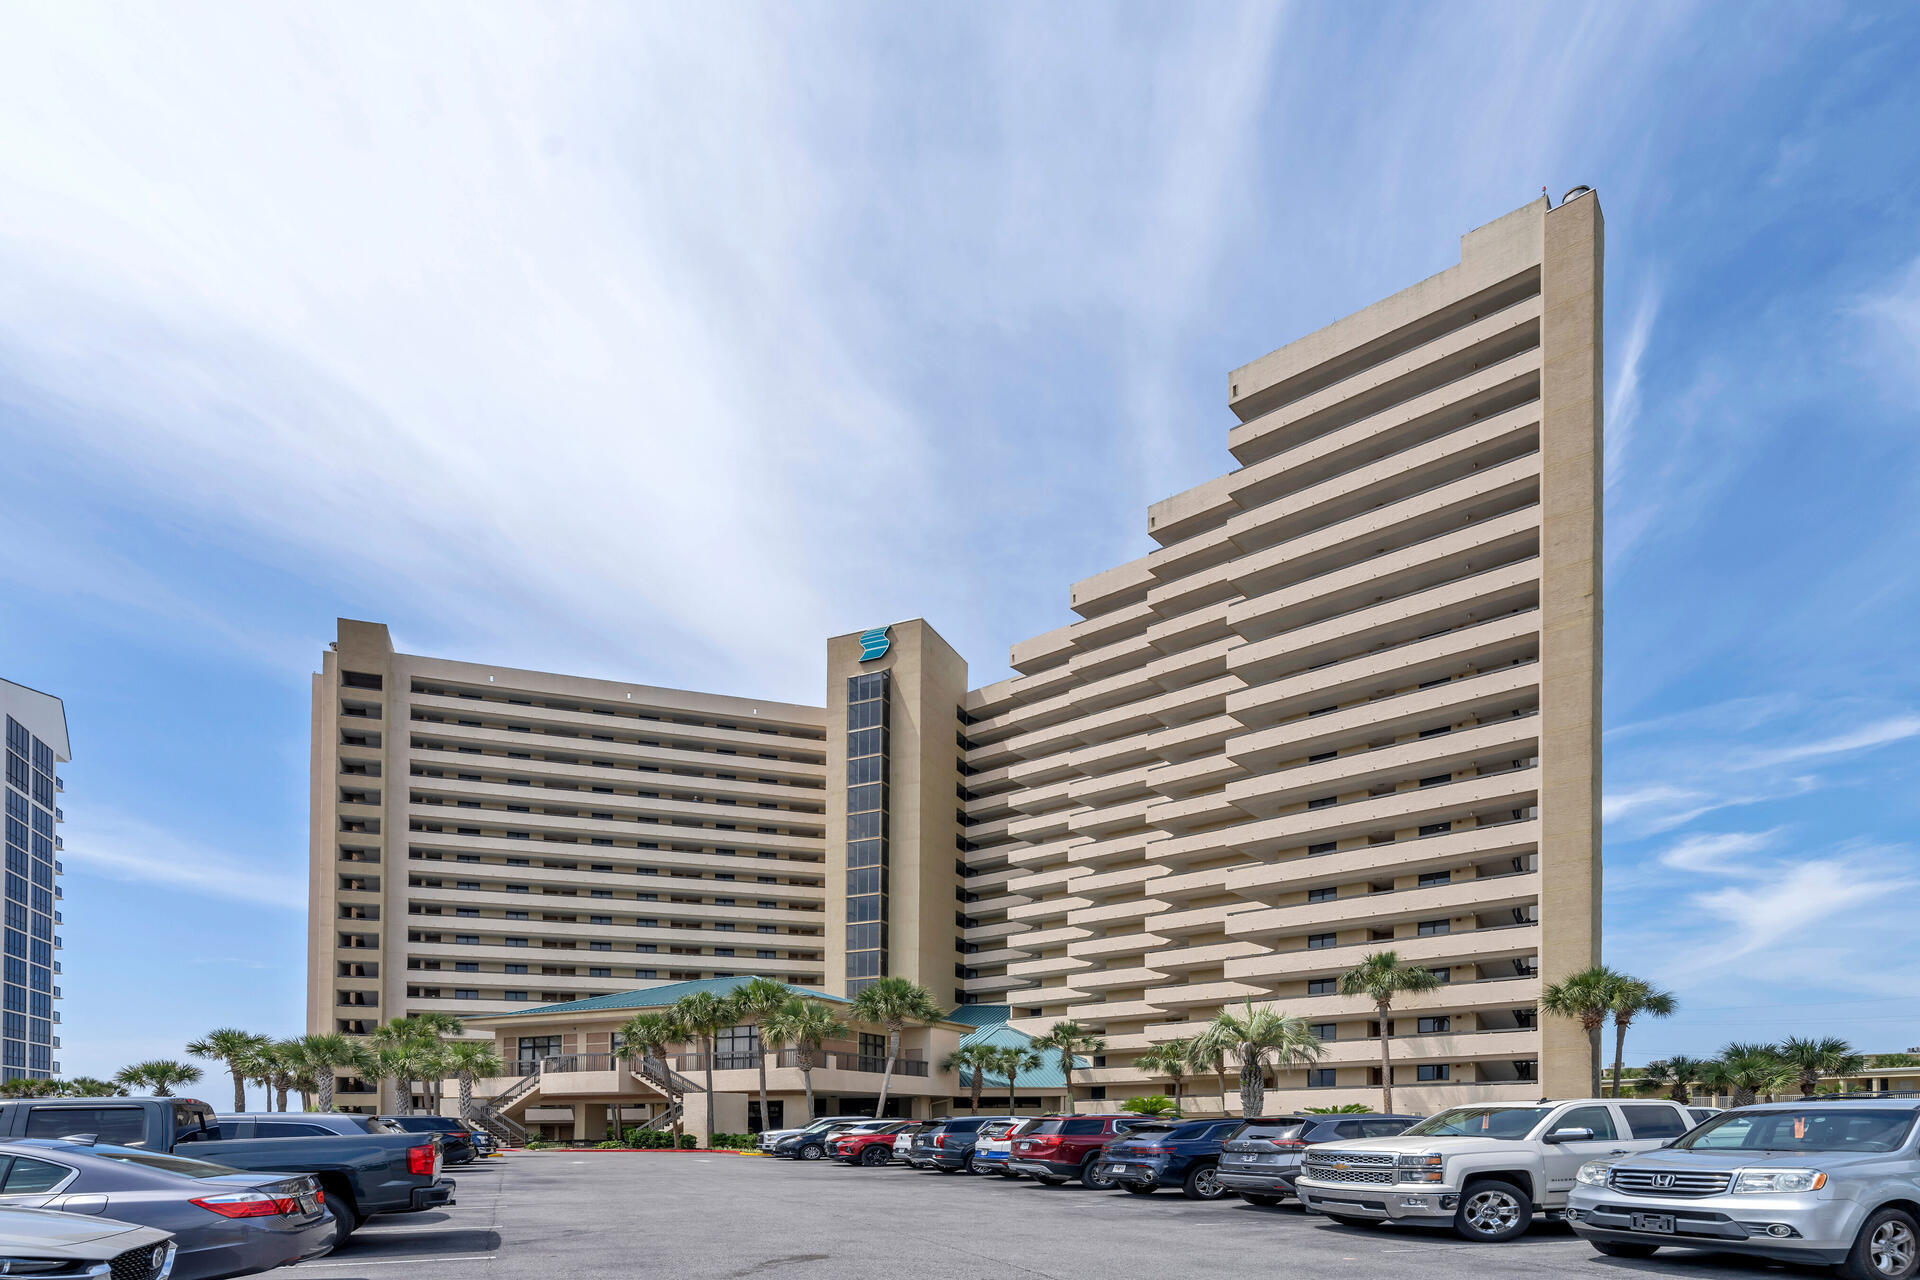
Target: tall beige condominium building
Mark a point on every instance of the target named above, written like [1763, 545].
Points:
[484, 839]
[1350, 704]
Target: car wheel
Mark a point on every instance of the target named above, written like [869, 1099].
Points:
[343, 1221]
[1887, 1248]
[1615, 1249]
[1092, 1179]
[874, 1157]
[1203, 1183]
[812, 1151]
[975, 1165]
[1141, 1189]
[1255, 1197]
[1492, 1211]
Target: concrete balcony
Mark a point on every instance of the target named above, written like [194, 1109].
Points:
[1499, 793]
[1467, 600]
[1116, 851]
[1111, 788]
[1124, 944]
[1193, 995]
[1472, 946]
[1490, 747]
[1212, 956]
[1402, 857]
[1114, 589]
[1113, 818]
[1094, 981]
[1433, 367]
[1092, 914]
[1207, 921]
[1101, 1012]
[1122, 655]
[1460, 898]
[1415, 518]
[1194, 629]
[1123, 883]
[1467, 1046]
[1049, 908]
[1187, 778]
[1042, 828]
[1390, 575]
[1047, 967]
[1043, 939]
[1050, 880]
[1486, 695]
[1447, 998]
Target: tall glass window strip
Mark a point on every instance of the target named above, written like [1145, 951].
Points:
[868, 699]
[27, 907]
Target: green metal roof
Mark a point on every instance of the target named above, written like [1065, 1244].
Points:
[981, 1015]
[1001, 1036]
[660, 997]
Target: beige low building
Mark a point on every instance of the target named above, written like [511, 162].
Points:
[570, 1080]
[1350, 702]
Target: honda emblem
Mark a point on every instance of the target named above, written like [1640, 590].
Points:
[1664, 1181]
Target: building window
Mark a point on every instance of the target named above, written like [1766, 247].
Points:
[1321, 1078]
[868, 772]
[1434, 1026]
[1322, 895]
[1436, 828]
[1325, 1030]
[1433, 1071]
[1319, 941]
[1428, 879]
[736, 1047]
[1320, 986]
[465, 993]
[1325, 846]
[1428, 928]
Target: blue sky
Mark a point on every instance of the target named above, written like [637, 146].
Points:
[523, 328]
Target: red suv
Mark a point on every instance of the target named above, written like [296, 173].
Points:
[1056, 1148]
[871, 1147]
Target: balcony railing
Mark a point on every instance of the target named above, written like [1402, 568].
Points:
[694, 1063]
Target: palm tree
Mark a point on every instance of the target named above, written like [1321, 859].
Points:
[806, 1025]
[400, 1063]
[1254, 1035]
[1153, 1104]
[1172, 1059]
[435, 1029]
[648, 1035]
[1010, 1061]
[1715, 1079]
[1380, 977]
[278, 1068]
[88, 1087]
[893, 1003]
[29, 1087]
[1203, 1058]
[1811, 1059]
[238, 1049]
[1588, 996]
[469, 1059]
[1676, 1075]
[1753, 1069]
[976, 1060]
[756, 998]
[703, 1016]
[159, 1075]
[1631, 998]
[1066, 1040]
[326, 1053]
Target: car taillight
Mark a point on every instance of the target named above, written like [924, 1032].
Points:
[420, 1160]
[460, 1135]
[1153, 1151]
[1287, 1144]
[939, 1139]
[247, 1204]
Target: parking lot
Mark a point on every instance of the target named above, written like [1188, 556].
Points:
[557, 1213]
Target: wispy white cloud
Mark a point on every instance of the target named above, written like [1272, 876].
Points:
[1893, 329]
[1724, 853]
[120, 847]
[1623, 398]
[1880, 733]
[1784, 922]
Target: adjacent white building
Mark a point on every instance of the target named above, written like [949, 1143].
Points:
[36, 727]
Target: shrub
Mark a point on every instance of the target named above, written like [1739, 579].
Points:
[611, 1144]
[1152, 1105]
[687, 1142]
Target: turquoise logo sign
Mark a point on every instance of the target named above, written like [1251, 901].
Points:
[873, 644]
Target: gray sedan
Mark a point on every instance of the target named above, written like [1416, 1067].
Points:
[226, 1223]
[42, 1242]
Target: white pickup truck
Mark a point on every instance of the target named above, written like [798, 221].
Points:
[1484, 1170]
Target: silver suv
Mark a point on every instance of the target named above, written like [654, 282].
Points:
[1822, 1181]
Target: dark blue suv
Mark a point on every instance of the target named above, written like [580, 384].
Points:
[1168, 1153]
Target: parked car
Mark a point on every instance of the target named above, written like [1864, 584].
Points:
[1054, 1149]
[484, 1143]
[225, 1223]
[297, 1124]
[952, 1147]
[809, 1145]
[45, 1242]
[1487, 1169]
[871, 1147]
[1260, 1159]
[1820, 1181]
[1168, 1153]
[903, 1140]
[1703, 1114]
[456, 1136]
[771, 1138]
[362, 1175]
[994, 1147]
[920, 1154]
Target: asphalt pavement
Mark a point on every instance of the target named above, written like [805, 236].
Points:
[720, 1217]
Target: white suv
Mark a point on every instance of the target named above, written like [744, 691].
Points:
[1485, 1170]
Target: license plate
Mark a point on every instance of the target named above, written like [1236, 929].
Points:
[1115, 1168]
[307, 1203]
[1656, 1222]
[1241, 1158]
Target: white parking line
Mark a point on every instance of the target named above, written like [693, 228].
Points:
[402, 1262]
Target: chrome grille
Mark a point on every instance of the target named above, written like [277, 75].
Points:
[1375, 1167]
[1653, 1182]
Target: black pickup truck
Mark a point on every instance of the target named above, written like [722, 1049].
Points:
[362, 1174]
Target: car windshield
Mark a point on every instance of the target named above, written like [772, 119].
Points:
[167, 1164]
[1511, 1123]
[1802, 1129]
[1043, 1126]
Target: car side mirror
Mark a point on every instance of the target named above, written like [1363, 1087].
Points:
[1570, 1135]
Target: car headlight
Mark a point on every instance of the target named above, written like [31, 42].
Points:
[1748, 1181]
[1593, 1173]
[1424, 1167]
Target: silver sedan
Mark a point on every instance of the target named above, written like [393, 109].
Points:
[226, 1223]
